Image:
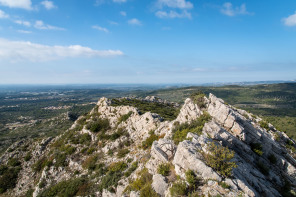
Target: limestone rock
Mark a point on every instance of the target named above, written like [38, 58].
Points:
[159, 184]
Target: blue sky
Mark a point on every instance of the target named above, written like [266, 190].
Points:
[140, 41]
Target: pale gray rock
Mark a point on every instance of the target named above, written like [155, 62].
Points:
[159, 184]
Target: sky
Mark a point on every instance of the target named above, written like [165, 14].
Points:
[149, 42]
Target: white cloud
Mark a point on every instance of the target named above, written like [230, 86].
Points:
[173, 14]
[40, 25]
[134, 21]
[119, 1]
[113, 23]
[24, 23]
[48, 4]
[229, 10]
[181, 4]
[24, 31]
[100, 28]
[15, 51]
[122, 13]
[290, 20]
[3, 15]
[24, 4]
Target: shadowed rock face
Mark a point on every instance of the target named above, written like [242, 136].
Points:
[261, 173]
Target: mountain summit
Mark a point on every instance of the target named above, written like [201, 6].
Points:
[150, 147]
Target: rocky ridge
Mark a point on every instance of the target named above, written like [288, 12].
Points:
[109, 151]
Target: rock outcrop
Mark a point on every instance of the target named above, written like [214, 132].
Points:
[103, 154]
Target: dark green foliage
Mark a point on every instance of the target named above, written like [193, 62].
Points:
[286, 190]
[91, 150]
[67, 188]
[28, 156]
[180, 131]
[263, 168]
[42, 183]
[8, 178]
[142, 184]
[167, 111]
[60, 160]
[14, 162]
[192, 180]
[124, 117]
[257, 148]
[178, 189]
[132, 168]
[90, 162]
[148, 142]
[114, 174]
[41, 163]
[264, 124]
[68, 149]
[224, 185]
[198, 98]
[81, 139]
[164, 169]
[122, 152]
[100, 125]
[219, 158]
[272, 158]
[3, 169]
[29, 193]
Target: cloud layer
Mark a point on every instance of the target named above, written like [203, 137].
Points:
[229, 10]
[24, 4]
[48, 4]
[290, 20]
[27, 51]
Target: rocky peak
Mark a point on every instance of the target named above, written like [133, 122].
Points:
[120, 150]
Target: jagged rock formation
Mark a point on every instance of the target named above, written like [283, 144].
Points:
[118, 151]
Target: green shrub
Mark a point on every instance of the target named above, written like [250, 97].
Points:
[133, 167]
[65, 188]
[60, 160]
[263, 168]
[124, 117]
[29, 193]
[42, 183]
[257, 148]
[41, 163]
[8, 179]
[224, 185]
[90, 163]
[145, 178]
[117, 166]
[91, 150]
[68, 149]
[147, 191]
[110, 180]
[164, 169]
[3, 169]
[14, 162]
[122, 152]
[178, 189]
[192, 180]
[219, 158]
[167, 111]
[199, 99]
[272, 158]
[264, 124]
[180, 131]
[148, 142]
[81, 139]
[100, 125]
[28, 156]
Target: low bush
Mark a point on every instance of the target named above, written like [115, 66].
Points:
[14, 162]
[178, 188]
[28, 156]
[164, 169]
[100, 125]
[219, 158]
[60, 160]
[122, 152]
[199, 99]
[124, 117]
[263, 168]
[272, 158]
[90, 163]
[41, 163]
[192, 180]
[69, 188]
[264, 124]
[148, 142]
[8, 178]
[257, 148]
[224, 185]
[180, 131]
[132, 168]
